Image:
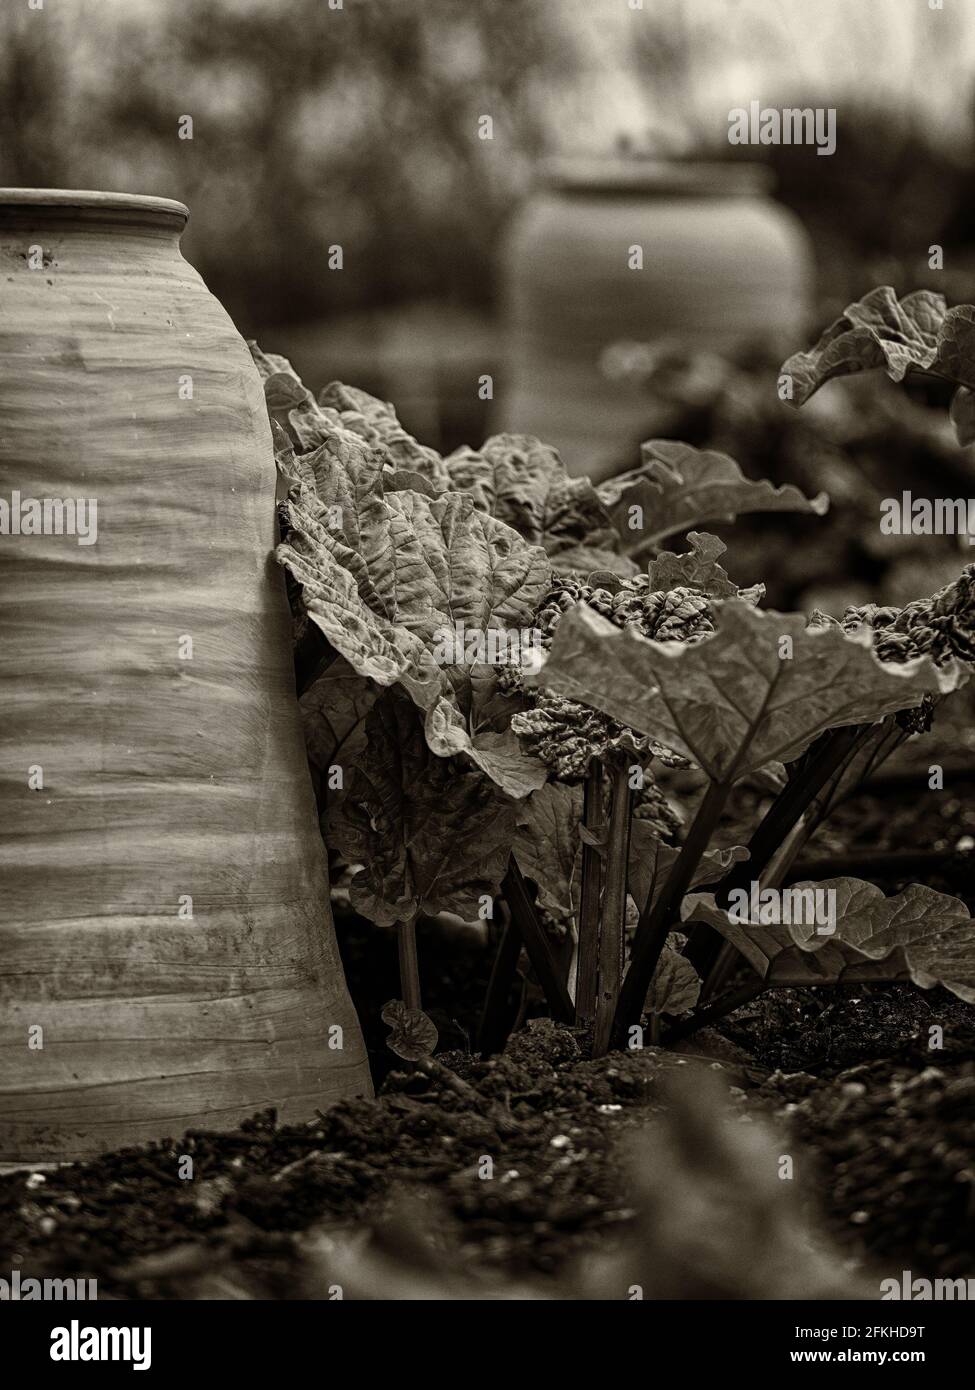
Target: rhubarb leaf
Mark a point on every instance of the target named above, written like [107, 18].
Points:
[524, 483]
[289, 402]
[677, 488]
[919, 935]
[676, 985]
[587, 561]
[651, 860]
[918, 332]
[387, 576]
[698, 569]
[514, 478]
[430, 835]
[375, 421]
[877, 331]
[309, 423]
[548, 848]
[333, 714]
[956, 346]
[758, 690]
[414, 1034]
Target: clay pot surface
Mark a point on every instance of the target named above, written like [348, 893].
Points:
[164, 915]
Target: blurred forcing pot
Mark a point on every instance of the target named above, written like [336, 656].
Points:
[167, 953]
[611, 253]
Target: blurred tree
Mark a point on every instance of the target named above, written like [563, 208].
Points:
[312, 126]
[35, 147]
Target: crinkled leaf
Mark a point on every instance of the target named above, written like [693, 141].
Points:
[290, 469]
[309, 423]
[918, 332]
[651, 861]
[742, 697]
[679, 487]
[698, 568]
[880, 330]
[414, 1034]
[289, 402]
[676, 985]
[498, 753]
[270, 364]
[385, 561]
[515, 478]
[384, 575]
[877, 331]
[956, 346]
[333, 714]
[404, 480]
[549, 849]
[587, 561]
[375, 422]
[431, 836]
[919, 935]
[524, 483]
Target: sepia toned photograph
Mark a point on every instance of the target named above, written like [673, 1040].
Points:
[487, 627]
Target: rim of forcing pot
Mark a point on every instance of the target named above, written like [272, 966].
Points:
[92, 205]
[688, 178]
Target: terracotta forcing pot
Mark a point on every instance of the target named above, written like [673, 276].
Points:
[167, 954]
[722, 264]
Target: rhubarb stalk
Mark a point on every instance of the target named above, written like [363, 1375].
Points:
[613, 913]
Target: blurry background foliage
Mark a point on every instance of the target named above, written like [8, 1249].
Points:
[311, 127]
[358, 127]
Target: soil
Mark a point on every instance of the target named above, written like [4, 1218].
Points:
[881, 1121]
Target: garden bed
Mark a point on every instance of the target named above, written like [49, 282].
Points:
[889, 1142]
[879, 1124]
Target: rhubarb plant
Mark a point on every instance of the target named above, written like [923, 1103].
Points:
[918, 334]
[496, 662]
